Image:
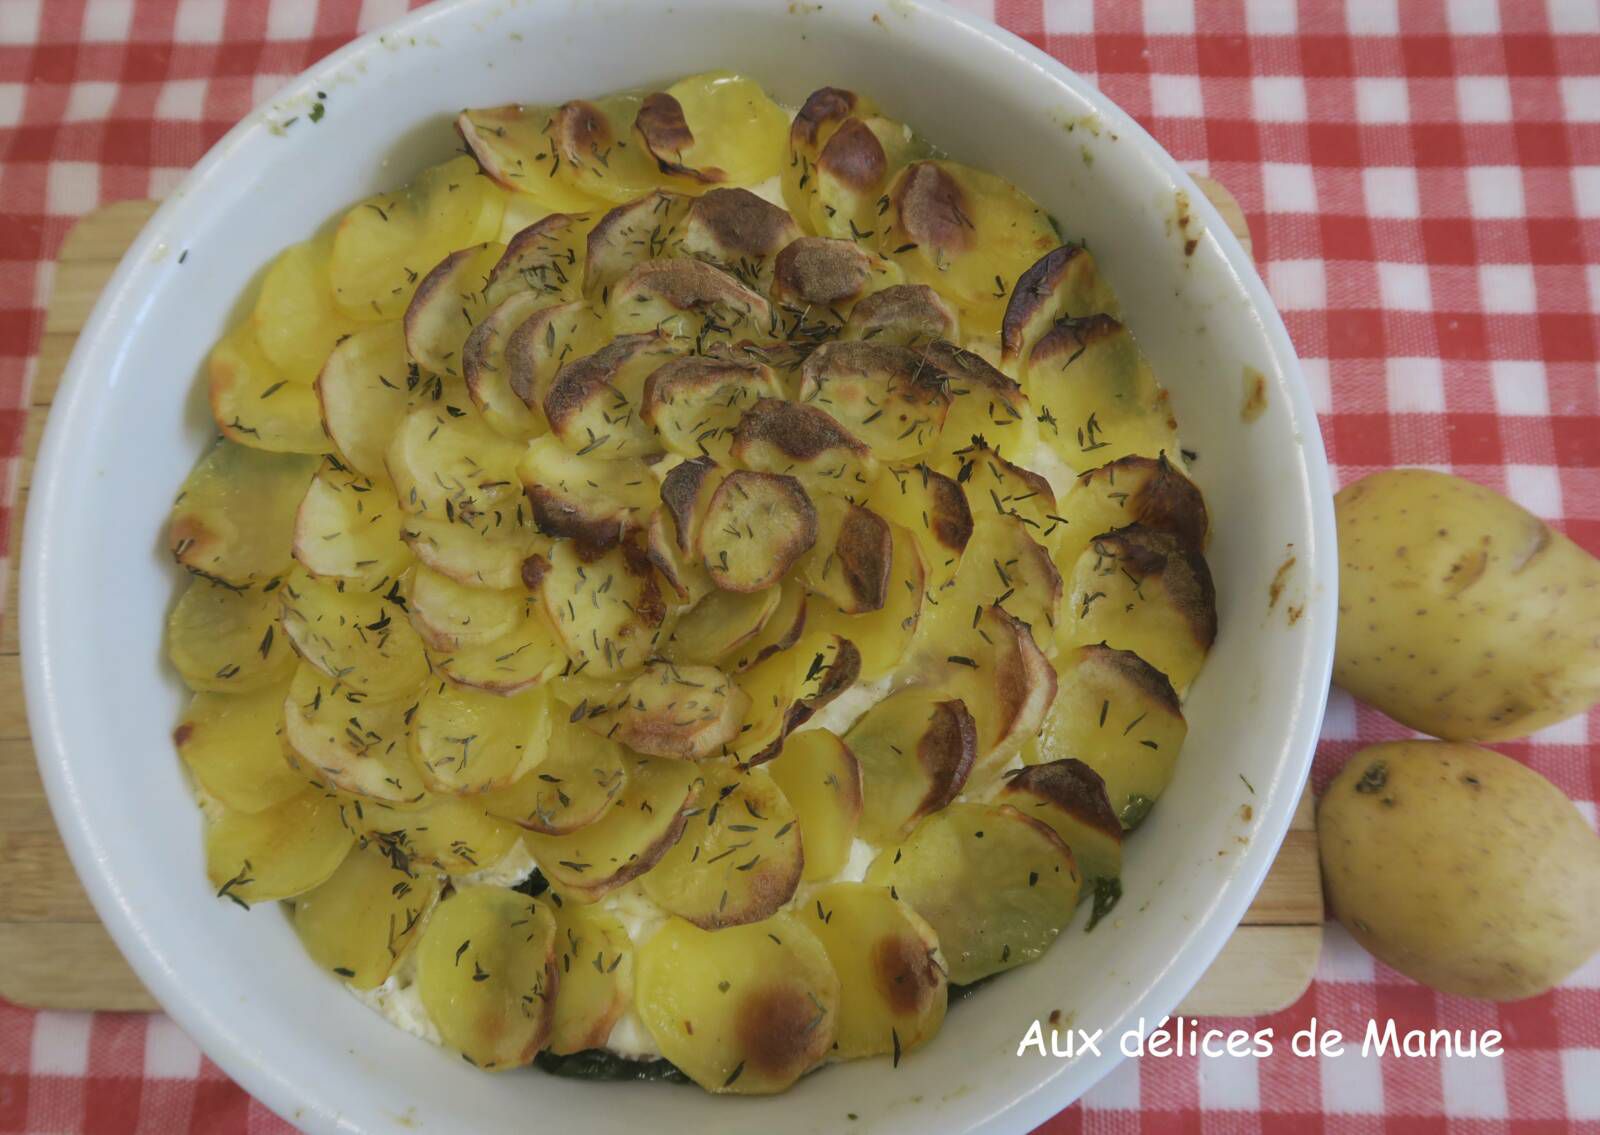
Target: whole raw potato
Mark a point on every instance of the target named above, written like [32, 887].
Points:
[1460, 868]
[1461, 614]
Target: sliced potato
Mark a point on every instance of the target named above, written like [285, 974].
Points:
[524, 656]
[786, 689]
[805, 441]
[984, 402]
[996, 886]
[630, 234]
[599, 155]
[684, 712]
[590, 500]
[366, 917]
[1131, 490]
[572, 785]
[480, 551]
[348, 741]
[883, 394]
[850, 561]
[278, 852]
[512, 146]
[639, 826]
[255, 404]
[739, 860]
[607, 610]
[748, 1009]
[821, 779]
[1000, 488]
[1071, 797]
[446, 462]
[695, 403]
[738, 232]
[488, 373]
[781, 631]
[713, 128]
[687, 300]
[841, 155]
[757, 525]
[1119, 715]
[450, 615]
[916, 751]
[227, 641]
[486, 972]
[295, 318]
[348, 528]
[1008, 684]
[359, 638]
[546, 341]
[891, 977]
[466, 742]
[719, 624]
[366, 388]
[1063, 283]
[543, 260]
[884, 636]
[594, 957]
[453, 834]
[818, 118]
[934, 509]
[1003, 566]
[907, 315]
[449, 302]
[818, 280]
[595, 404]
[231, 746]
[234, 515]
[682, 572]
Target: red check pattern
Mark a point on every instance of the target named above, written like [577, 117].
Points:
[1422, 181]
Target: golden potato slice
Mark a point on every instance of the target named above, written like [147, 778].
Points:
[892, 985]
[512, 146]
[348, 528]
[385, 244]
[349, 741]
[713, 128]
[362, 639]
[850, 561]
[366, 388]
[738, 232]
[1095, 396]
[598, 153]
[1141, 590]
[591, 500]
[544, 259]
[756, 527]
[366, 917]
[488, 374]
[916, 751]
[296, 320]
[934, 509]
[685, 576]
[453, 834]
[639, 826]
[446, 462]
[685, 712]
[278, 852]
[748, 1009]
[630, 234]
[256, 404]
[594, 957]
[451, 615]
[985, 403]
[595, 404]
[524, 656]
[466, 742]
[687, 300]
[1007, 683]
[739, 859]
[486, 972]
[449, 302]
[694, 403]
[1119, 715]
[719, 624]
[818, 118]
[571, 786]
[885, 636]
[883, 394]
[1003, 566]
[906, 315]
[227, 641]
[781, 631]
[821, 779]
[816, 281]
[607, 610]
[1063, 283]
[231, 746]
[786, 689]
[1000, 488]
[234, 516]
[480, 551]
[1130, 490]
[545, 342]
[996, 886]
[1071, 797]
[841, 155]
[806, 442]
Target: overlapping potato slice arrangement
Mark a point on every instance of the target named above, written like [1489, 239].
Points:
[577, 503]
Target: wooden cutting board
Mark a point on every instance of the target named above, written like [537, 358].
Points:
[55, 954]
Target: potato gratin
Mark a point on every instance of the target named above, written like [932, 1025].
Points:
[632, 617]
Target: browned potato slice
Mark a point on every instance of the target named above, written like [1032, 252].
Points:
[713, 128]
[782, 630]
[366, 917]
[450, 615]
[686, 299]
[227, 641]
[739, 860]
[818, 119]
[366, 389]
[591, 500]
[594, 957]
[1141, 590]
[256, 404]
[852, 556]
[1131, 490]
[607, 610]
[1003, 566]
[885, 395]
[916, 751]
[786, 689]
[599, 155]
[891, 977]
[748, 1009]
[488, 374]
[739, 233]
[524, 656]
[685, 712]
[683, 573]
[1000, 488]
[231, 746]
[544, 259]
[348, 528]
[512, 146]
[594, 404]
[907, 315]
[235, 514]
[466, 742]
[361, 639]
[695, 403]
[1095, 395]
[572, 785]
[640, 826]
[996, 886]
[486, 971]
[686, 493]
[933, 507]
[776, 436]
[446, 462]
[1063, 283]
[841, 154]
[1008, 684]
[1118, 715]
[349, 741]
[279, 852]
[1070, 796]
[719, 624]
[984, 402]
[480, 551]
[447, 305]
[543, 343]
[630, 234]
[821, 779]
[885, 636]
[452, 834]
[757, 525]
[818, 280]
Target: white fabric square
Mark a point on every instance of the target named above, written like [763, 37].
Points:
[1351, 1083]
[1472, 17]
[1288, 188]
[1230, 1083]
[1586, 190]
[1495, 191]
[1572, 731]
[1473, 1087]
[1270, 17]
[1339, 721]
[1507, 288]
[168, 1053]
[1404, 287]
[1342, 959]
[183, 99]
[1536, 488]
[263, 87]
[1169, 17]
[1581, 95]
[164, 179]
[90, 101]
[199, 21]
[72, 188]
[291, 19]
[1316, 372]
[1372, 17]
[1067, 17]
[1176, 96]
[1570, 17]
[21, 24]
[1382, 100]
[1278, 98]
[107, 21]
[378, 13]
[11, 99]
[1484, 98]
[1415, 386]
[1298, 285]
[60, 1044]
[1580, 1069]
[1391, 191]
[1119, 1091]
[1519, 387]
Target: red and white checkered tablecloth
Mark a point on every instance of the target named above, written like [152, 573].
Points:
[1422, 180]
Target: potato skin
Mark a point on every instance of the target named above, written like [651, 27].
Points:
[1460, 868]
[1461, 614]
